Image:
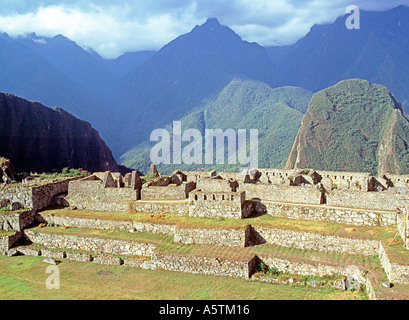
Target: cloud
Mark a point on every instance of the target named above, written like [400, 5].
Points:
[110, 30]
[116, 26]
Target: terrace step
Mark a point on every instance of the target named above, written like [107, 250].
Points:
[241, 262]
[325, 237]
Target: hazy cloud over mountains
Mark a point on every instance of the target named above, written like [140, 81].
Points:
[114, 27]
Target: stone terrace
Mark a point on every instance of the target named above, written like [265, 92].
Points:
[350, 226]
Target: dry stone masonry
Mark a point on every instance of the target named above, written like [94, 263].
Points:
[353, 199]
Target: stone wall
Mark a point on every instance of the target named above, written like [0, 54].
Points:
[231, 176]
[16, 195]
[216, 204]
[16, 220]
[83, 223]
[90, 244]
[398, 181]
[159, 207]
[315, 241]
[217, 185]
[226, 237]
[403, 225]
[8, 240]
[396, 273]
[307, 195]
[169, 192]
[201, 265]
[198, 175]
[91, 195]
[365, 200]
[35, 198]
[42, 195]
[105, 224]
[214, 237]
[349, 216]
[276, 176]
[347, 180]
[317, 269]
[4, 244]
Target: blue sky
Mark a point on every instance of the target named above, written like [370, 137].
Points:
[114, 27]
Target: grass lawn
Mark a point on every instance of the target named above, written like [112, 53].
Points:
[23, 278]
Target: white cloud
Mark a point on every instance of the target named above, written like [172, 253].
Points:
[108, 30]
[114, 27]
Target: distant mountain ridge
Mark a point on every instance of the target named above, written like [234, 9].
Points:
[377, 52]
[243, 103]
[126, 98]
[184, 74]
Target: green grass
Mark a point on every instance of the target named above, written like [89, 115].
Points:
[7, 233]
[6, 208]
[23, 278]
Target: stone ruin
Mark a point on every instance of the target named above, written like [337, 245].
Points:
[351, 199]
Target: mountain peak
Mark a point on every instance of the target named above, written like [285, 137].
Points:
[212, 23]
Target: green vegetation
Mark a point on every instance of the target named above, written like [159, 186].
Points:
[243, 104]
[354, 126]
[150, 177]
[7, 233]
[6, 208]
[65, 173]
[296, 280]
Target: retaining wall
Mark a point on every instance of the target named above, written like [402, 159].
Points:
[349, 216]
[396, 273]
[315, 241]
[201, 265]
[11, 220]
[158, 207]
[304, 269]
[373, 200]
[7, 241]
[226, 237]
[93, 244]
[214, 237]
[403, 225]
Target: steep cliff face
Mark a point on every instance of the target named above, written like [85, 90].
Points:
[353, 126]
[40, 139]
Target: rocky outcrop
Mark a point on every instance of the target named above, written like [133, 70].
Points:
[354, 126]
[39, 139]
[6, 171]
